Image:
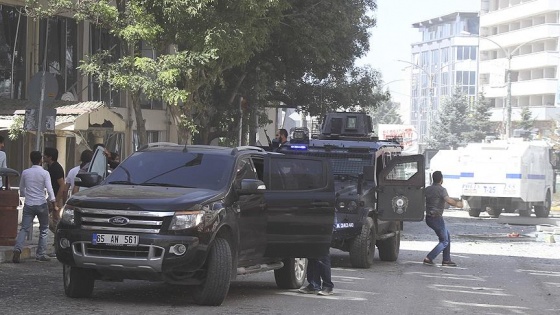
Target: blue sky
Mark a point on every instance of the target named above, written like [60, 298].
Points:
[391, 38]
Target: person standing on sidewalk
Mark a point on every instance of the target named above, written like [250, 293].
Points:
[436, 197]
[33, 183]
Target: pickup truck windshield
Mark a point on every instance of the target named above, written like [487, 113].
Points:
[174, 169]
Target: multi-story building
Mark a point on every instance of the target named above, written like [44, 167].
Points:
[445, 59]
[86, 112]
[521, 37]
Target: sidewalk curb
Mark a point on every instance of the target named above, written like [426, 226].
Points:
[28, 252]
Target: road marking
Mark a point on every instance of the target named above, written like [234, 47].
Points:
[470, 290]
[335, 296]
[509, 307]
[556, 284]
[352, 278]
[447, 276]
[540, 272]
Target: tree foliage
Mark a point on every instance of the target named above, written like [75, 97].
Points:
[210, 54]
[386, 113]
[450, 123]
[527, 121]
[458, 123]
[479, 121]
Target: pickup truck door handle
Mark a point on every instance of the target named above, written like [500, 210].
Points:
[320, 204]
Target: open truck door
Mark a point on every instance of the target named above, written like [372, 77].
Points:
[300, 208]
[400, 193]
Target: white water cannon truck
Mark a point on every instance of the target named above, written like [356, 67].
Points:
[508, 176]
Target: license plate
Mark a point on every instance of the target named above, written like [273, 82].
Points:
[489, 189]
[114, 239]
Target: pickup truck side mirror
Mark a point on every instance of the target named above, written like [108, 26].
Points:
[88, 179]
[251, 186]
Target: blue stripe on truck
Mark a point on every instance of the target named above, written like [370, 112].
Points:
[513, 176]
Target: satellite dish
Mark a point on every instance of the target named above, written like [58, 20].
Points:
[68, 96]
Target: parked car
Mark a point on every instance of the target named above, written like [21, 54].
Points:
[196, 215]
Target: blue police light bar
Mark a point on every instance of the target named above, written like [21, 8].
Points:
[298, 147]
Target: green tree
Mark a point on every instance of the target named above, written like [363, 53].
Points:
[308, 63]
[479, 121]
[386, 113]
[451, 122]
[195, 41]
[527, 121]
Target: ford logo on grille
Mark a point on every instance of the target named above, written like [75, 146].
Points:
[119, 221]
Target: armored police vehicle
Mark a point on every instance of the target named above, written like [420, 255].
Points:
[376, 187]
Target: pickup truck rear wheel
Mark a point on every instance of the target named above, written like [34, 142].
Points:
[214, 289]
[542, 211]
[78, 282]
[389, 248]
[362, 249]
[292, 275]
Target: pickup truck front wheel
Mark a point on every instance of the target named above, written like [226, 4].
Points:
[292, 275]
[362, 249]
[78, 282]
[214, 289]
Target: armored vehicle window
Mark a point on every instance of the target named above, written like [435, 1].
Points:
[403, 171]
[351, 123]
[175, 169]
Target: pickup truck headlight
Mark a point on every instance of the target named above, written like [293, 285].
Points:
[186, 219]
[68, 215]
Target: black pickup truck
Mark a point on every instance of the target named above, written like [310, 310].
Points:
[198, 216]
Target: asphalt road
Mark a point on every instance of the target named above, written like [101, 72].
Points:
[497, 274]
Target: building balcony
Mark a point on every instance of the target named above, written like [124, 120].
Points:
[522, 88]
[538, 113]
[511, 40]
[517, 12]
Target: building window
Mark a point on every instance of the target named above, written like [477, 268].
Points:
[153, 136]
[101, 40]
[62, 52]
[12, 55]
[465, 52]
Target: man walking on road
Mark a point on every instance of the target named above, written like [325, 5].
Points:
[33, 183]
[436, 197]
[318, 269]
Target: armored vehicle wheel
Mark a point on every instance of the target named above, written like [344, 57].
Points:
[78, 282]
[474, 212]
[494, 212]
[292, 275]
[389, 248]
[215, 287]
[524, 213]
[542, 211]
[362, 249]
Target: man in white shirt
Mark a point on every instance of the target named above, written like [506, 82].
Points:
[85, 158]
[32, 185]
[3, 162]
